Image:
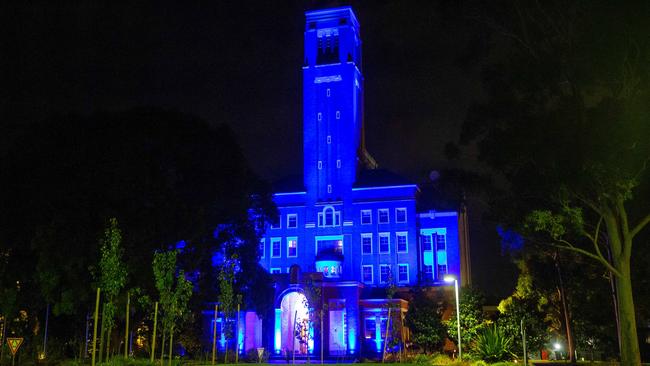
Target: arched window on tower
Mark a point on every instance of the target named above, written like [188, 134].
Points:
[329, 217]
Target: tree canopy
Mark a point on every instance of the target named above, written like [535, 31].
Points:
[165, 176]
[564, 122]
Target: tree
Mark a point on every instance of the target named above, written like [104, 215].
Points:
[111, 279]
[472, 320]
[424, 320]
[228, 299]
[565, 122]
[167, 176]
[529, 305]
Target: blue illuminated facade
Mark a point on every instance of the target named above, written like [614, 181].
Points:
[346, 226]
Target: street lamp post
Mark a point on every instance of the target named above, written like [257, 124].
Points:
[453, 279]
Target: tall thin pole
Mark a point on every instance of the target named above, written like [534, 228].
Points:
[523, 338]
[460, 353]
[171, 344]
[47, 321]
[237, 337]
[293, 339]
[153, 339]
[214, 333]
[95, 326]
[126, 331]
[383, 355]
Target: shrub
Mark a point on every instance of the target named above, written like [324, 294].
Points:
[441, 359]
[479, 363]
[492, 345]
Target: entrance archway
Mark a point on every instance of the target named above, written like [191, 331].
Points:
[294, 317]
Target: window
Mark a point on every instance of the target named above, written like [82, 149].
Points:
[328, 92]
[276, 270]
[320, 164]
[400, 214]
[276, 247]
[329, 246]
[402, 242]
[384, 243]
[428, 272]
[292, 247]
[370, 328]
[426, 243]
[261, 248]
[277, 225]
[329, 216]
[292, 221]
[329, 139]
[366, 217]
[328, 48]
[442, 270]
[382, 216]
[338, 163]
[320, 116]
[367, 274]
[384, 273]
[403, 273]
[366, 243]
[441, 242]
[338, 114]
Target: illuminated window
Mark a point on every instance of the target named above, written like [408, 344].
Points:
[384, 243]
[384, 273]
[329, 139]
[382, 216]
[400, 214]
[276, 270]
[329, 188]
[366, 243]
[402, 273]
[338, 115]
[338, 163]
[320, 116]
[261, 248]
[292, 221]
[320, 164]
[442, 270]
[328, 92]
[367, 273]
[426, 242]
[366, 217]
[276, 247]
[292, 247]
[402, 242]
[428, 272]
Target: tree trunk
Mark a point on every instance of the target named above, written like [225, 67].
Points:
[629, 341]
[565, 311]
[162, 346]
[101, 334]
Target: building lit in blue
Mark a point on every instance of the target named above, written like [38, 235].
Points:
[346, 227]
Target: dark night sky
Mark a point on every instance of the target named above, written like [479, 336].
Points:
[240, 63]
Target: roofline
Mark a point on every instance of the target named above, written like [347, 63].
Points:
[288, 193]
[384, 187]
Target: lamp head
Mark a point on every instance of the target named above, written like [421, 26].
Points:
[557, 346]
[449, 278]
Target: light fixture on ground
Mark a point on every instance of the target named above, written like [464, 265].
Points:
[449, 279]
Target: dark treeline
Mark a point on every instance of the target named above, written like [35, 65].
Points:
[164, 175]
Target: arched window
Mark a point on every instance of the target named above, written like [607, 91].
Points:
[329, 216]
